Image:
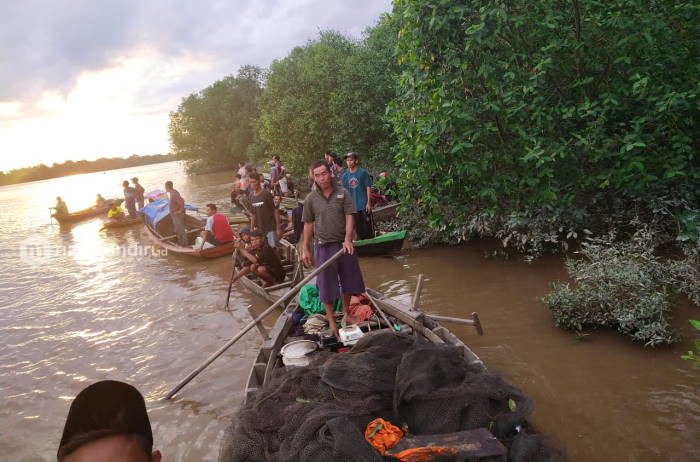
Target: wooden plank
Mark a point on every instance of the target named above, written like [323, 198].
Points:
[471, 445]
[416, 295]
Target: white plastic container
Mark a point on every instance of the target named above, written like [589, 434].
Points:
[296, 353]
[350, 335]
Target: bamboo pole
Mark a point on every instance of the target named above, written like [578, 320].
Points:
[253, 323]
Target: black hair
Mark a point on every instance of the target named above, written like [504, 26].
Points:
[212, 206]
[95, 435]
[254, 176]
[125, 183]
[238, 175]
[168, 184]
[319, 163]
[256, 233]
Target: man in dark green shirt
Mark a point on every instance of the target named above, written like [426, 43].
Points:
[327, 217]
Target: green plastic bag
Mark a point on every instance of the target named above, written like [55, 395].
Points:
[310, 303]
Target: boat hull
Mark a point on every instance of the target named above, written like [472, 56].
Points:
[193, 227]
[84, 214]
[384, 244]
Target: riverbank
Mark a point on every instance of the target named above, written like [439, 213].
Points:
[68, 168]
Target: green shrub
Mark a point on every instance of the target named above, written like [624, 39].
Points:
[694, 356]
[621, 285]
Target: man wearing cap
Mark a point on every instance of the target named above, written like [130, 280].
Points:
[327, 216]
[358, 182]
[108, 422]
[138, 192]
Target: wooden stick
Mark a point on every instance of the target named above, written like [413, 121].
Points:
[259, 325]
[233, 272]
[381, 313]
[252, 324]
[416, 295]
[467, 322]
[278, 286]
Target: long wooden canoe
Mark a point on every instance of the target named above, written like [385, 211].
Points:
[164, 236]
[84, 214]
[385, 212]
[112, 223]
[410, 320]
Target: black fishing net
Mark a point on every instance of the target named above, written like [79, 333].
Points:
[320, 412]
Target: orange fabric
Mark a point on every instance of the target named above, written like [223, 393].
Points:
[424, 454]
[359, 309]
[384, 435]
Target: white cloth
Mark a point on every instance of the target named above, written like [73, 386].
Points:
[209, 225]
[198, 242]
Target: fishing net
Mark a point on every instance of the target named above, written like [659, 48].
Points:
[319, 412]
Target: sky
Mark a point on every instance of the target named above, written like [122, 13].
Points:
[83, 79]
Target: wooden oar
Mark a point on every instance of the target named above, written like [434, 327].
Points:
[252, 324]
[381, 312]
[233, 272]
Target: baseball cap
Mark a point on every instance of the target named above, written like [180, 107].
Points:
[104, 409]
[244, 230]
[352, 154]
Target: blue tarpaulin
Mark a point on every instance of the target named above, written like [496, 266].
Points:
[157, 210]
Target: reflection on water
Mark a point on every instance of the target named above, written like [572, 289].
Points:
[95, 313]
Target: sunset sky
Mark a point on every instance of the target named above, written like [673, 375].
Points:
[81, 79]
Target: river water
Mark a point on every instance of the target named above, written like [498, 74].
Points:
[107, 306]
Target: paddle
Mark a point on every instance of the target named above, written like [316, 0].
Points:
[381, 312]
[252, 324]
[233, 272]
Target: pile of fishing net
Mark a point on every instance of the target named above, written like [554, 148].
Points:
[320, 412]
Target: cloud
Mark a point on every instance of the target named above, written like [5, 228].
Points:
[85, 78]
[46, 45]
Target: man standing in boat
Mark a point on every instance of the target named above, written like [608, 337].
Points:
[216, 231]
[61, 207]
[265, 217]
[328, 218]
[177, 213]
[129, 199]
[139, 192]
[358, 183]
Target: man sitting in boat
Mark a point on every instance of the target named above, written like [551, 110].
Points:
[115, 212]
[61, 207]
[263, 260]
[216, 231]
[100, 201]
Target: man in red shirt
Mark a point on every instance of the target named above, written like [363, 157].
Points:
[216, 231]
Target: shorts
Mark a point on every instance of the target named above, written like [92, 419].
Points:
[271, 238]
[343, 275]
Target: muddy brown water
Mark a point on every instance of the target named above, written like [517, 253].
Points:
[107, 308]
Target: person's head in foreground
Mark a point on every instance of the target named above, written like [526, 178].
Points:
[257, 239]
[107, 422]
[244, 233]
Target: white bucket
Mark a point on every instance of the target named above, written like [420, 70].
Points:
[295, 353]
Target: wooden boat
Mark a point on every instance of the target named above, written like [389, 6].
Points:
[409, 320]
[161, 231]
[112, 223]
[294, 269]
[84, 214]
[383, 244]
[385, 212]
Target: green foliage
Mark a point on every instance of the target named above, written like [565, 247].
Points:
[620, 285]
[694, 356]
[330, 94]
[213, 128]
[509, 110]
